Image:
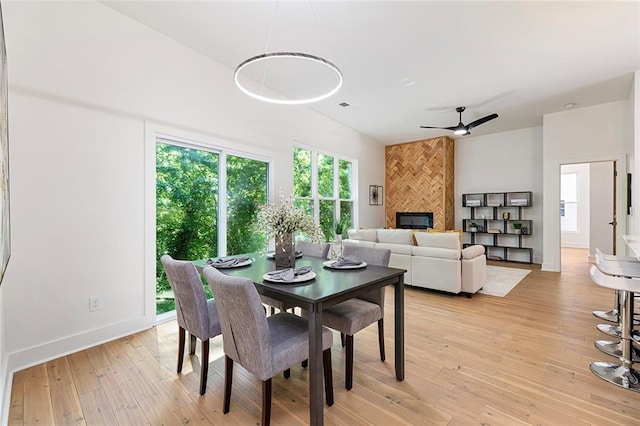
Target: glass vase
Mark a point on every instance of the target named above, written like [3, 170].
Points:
[285, 255]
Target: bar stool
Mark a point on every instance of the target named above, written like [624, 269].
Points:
[609, 265]
[612, 314]
[622, 375]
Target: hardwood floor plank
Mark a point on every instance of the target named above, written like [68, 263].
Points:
[97, 408]
[520, 359]
[83, 372]
[64, 394]
[123, 404]
[38, 408]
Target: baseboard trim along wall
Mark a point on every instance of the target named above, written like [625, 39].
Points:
[20, 360]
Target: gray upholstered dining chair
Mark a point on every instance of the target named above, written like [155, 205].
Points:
[353, 315]
[262, 345]
[194, 312]
[307, 248]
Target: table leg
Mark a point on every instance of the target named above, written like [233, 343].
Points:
[399, 327]
[315, 367]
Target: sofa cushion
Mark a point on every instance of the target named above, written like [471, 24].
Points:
[359, 243]
[363, 234]
[458, 231]
[440, 253]
[472, 252]
[396, 248]
[443, 240]
[395, 236]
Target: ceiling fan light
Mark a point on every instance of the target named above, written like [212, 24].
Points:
[460, 132]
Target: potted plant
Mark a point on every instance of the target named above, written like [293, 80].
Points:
[473, 227]
[339, 228]
[517, 227]
[282, 221]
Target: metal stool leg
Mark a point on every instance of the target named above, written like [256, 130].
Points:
[610, 315]
[621, 375]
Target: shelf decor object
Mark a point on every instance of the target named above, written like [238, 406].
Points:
[501, 215]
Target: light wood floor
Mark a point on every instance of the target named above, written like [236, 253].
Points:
[521, 359]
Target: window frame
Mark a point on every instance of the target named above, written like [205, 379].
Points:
[315, 198]
[153, 134]
[564, 203]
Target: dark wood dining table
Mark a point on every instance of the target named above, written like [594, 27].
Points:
[329, 287]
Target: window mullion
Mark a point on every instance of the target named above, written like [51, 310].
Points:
[314, 186]
[222, 204]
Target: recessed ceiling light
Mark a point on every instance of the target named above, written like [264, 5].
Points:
[569, 105]
[344, 104]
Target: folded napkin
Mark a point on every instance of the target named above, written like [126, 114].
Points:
[225, 262]
[347, 261]
[288, 274]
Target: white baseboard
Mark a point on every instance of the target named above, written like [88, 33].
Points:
[551, 267]
[25, 358]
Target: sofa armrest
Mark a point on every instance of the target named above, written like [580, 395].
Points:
[472, 252]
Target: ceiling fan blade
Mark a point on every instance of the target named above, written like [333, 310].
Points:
[431, 127]
[481, 121]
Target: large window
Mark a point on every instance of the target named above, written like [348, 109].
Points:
[206, 205]
[323, 185]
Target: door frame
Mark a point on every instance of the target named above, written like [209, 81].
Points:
[551, 206]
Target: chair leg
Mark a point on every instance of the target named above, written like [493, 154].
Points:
[305, 363]
[348, 371]
[328, 376]
[228, 379]
[381, 338]
[342, 339]
[287, 373]
[192, 344]
[204, 368]
[266, 402]
[181, 338]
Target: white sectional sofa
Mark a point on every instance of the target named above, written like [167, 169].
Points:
[437, 261]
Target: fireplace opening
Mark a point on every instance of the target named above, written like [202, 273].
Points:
[414, 220]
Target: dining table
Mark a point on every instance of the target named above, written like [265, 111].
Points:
[329, 287]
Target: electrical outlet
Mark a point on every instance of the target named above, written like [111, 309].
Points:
[95, 303]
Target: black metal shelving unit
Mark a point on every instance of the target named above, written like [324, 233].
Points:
[499, 224]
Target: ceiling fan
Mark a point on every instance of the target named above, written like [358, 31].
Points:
[462, 129]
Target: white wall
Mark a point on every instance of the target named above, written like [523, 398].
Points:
[582, 135]
[634, 116]
[84, 85]
[502, 162]
[579, 238]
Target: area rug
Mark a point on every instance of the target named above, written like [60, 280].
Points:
[500, 280]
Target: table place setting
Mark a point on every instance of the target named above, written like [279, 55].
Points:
[290, 275]
[345, 262]
[229, 262]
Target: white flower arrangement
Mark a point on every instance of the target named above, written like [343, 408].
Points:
[286, 219]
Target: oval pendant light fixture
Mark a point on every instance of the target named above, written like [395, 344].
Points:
[272, 56]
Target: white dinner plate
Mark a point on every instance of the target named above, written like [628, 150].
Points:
[237, 265]
[272, 255]
[298, 279]
[329, 264]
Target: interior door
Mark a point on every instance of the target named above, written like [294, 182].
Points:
[603, 221]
